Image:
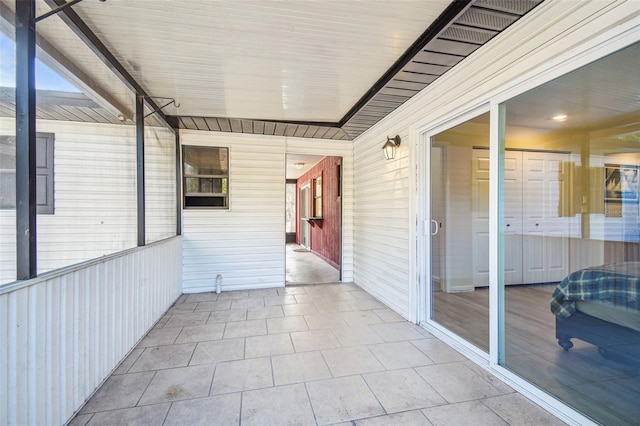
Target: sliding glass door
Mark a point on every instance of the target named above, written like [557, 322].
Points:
[459, 222]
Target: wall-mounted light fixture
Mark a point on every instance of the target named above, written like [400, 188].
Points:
[298, 165]
[389, 148]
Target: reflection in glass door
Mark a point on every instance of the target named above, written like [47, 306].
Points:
[459, 213]
[305, 232]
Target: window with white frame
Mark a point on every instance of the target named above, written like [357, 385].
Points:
[205, 177]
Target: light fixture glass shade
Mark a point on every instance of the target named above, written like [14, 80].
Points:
[389, 150]
[298, 165]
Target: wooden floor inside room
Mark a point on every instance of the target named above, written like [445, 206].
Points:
[604, 390]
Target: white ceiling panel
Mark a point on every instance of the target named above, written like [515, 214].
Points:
[270, 60]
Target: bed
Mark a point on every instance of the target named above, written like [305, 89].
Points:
[599, 305]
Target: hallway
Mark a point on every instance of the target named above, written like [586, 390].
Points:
[301, 355]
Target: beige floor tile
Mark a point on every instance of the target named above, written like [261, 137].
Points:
[351, 360]
[218, 351]
[149, 415]
[437, 351]
[502, 387]
[265, 312]
[128, 361]
[299, 367]
[365, 304]
[271, 344]
[342, 399]
[397, 331]
[178, 383]
[355, 336]
[247, 374]
[80, 420]
[121, 391]
[402, 390]
[245, 328]
[162, 357]
[279, 300]
[282, 405]
[231, 295]
[338, 295]
[470, 413]
[264, 292]
[408, 418]
[333, 307]
[286, 324]
[457, 383]
[222, 410]
[310, 298]
[292, 290]
[324, 321]
[397, 355]
[314, 340]
[182, 308]
[160, 337]
[200, 333]
[201, 297]
[253, 302]
[194, 318]
[517, 410]
[300, 309]
[360, 318]
[387, 315]
[227, 316]
[214, 305]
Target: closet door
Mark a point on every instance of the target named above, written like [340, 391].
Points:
[545, 241]
[512, 224]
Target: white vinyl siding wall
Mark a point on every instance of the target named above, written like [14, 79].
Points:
[160, 183]
[384, 191]
[245, 244]
[95, 194]
[64, 333]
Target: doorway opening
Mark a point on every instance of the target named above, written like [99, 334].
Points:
[313, 219]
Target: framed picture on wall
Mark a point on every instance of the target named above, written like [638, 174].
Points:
[620, 183]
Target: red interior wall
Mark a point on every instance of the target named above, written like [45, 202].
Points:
[325, 234]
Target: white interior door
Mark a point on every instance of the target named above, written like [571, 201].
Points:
[305, 210]
[546, 221]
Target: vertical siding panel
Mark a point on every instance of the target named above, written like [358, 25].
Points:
[4, 359]
[39, 340]
[64, 335]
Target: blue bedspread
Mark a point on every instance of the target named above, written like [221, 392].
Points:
[618, 283]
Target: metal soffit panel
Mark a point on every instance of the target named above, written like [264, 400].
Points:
[459, 31]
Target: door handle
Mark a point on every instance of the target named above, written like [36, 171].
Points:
[434, 222]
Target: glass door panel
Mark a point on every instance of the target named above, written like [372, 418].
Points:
[460, 230]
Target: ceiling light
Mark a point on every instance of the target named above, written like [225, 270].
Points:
[560, 117]
[298, 165]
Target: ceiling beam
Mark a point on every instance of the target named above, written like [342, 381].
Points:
[82, 30]
[455, 9]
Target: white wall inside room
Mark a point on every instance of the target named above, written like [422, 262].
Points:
[246, 243]
[384, 198]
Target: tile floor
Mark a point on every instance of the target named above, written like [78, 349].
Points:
[304, 267]
[303, 355]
